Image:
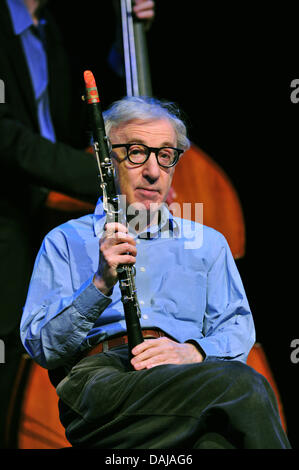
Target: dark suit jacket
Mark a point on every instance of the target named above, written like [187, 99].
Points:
[31, 165]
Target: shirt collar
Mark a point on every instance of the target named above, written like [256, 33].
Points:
[166, 223]
[20, 16]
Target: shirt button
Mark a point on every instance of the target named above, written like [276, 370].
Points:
[145, 316]
[142, 268]
[138, 241]
[141, 302]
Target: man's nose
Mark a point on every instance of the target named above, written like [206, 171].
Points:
[151, 168]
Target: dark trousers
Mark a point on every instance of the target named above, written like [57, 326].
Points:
[214, 404]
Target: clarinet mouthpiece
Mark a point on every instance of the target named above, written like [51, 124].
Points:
[92, 95]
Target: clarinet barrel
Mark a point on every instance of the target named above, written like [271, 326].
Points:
[111, 203]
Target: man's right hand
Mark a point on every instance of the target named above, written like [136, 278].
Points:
[116, 247]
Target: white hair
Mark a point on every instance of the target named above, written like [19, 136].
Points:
[145, 108]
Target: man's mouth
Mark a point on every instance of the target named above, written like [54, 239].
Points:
[147, 191]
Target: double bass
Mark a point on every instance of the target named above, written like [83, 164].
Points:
[33, 421]
[209, 183]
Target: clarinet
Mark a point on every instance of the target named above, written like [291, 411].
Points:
[112, 207]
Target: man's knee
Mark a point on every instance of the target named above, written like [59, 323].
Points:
[250, 384]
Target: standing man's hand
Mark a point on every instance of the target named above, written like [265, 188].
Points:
[144, 9]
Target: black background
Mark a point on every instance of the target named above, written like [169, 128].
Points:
[229, 69]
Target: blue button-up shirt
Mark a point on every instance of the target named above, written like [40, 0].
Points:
[37, 63]
[187, 285]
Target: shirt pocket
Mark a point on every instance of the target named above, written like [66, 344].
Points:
[181, 294]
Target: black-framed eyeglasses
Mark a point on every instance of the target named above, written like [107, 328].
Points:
[139, 154]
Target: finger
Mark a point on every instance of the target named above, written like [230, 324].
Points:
[111, 247]
[124, 237]
[153, 361]
[148, 353]
[112, 227]
[125, 259]
[158, 351]
[144, 355]
[143, 346]
[145, 15]
[112, 262]
[144, 9]
[118, 237]
[120, 255]
[162, 342]
[144, 4]
[124, 248]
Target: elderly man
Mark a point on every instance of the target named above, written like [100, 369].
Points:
[187, 384]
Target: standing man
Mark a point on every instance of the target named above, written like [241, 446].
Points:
[41, 146]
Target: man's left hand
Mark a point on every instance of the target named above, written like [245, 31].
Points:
[144, 9]
[154, 352]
